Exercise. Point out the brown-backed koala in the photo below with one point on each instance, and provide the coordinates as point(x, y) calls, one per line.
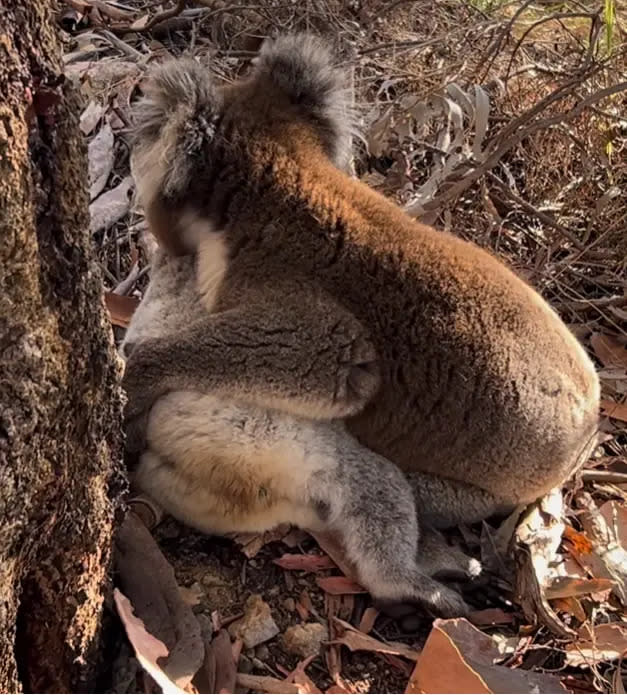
point(226, 466)
point(327, 301)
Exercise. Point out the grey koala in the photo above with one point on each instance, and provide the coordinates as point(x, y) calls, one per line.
point(326, 301)
point(226, 465)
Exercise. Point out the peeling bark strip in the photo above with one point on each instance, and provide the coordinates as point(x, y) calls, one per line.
point(60, 402)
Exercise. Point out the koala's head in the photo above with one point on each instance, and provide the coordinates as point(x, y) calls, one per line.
point(184, 120)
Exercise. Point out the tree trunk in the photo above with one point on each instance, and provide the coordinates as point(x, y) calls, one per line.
point(60, 403)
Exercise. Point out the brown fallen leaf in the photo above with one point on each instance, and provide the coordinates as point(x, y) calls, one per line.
point(111, 206)
point(339, 586)
point(147, 578)
point(218, 672)
point(565, 587)
point(148, 649)
point(609, 350)
point(333, 547)
point(300, 678)
point(121, 308)
point(570, 605)
point(458, 658)
point(368, 620)
point(307, 563)
point(304, 605)
point(606, 642)
point(357, 641)
point(101, 156)
point(618, 411)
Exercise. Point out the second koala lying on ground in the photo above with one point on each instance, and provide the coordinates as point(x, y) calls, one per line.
point(223, 466)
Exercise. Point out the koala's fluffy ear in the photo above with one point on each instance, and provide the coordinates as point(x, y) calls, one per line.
point(303, 68)
point(172, 124)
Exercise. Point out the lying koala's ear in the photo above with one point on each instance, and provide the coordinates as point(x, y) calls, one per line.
point(303, 67)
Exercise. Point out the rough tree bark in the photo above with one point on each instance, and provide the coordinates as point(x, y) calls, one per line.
point(59, 395)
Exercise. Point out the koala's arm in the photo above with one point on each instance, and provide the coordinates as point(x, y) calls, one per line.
point(304, 354)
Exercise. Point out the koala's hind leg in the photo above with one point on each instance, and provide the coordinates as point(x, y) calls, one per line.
point(223, 467)
point(369, 505)
point(442, 502)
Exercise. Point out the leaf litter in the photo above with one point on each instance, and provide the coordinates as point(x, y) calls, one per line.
point(555, 597)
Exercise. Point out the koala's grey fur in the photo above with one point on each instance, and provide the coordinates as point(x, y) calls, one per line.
point(224, 466)
point(328, 302)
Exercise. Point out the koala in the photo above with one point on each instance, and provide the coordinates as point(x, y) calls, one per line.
point(225, 465)
point(325, 301)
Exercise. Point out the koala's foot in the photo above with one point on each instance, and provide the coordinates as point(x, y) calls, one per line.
point(440, 560)
point(358, 377)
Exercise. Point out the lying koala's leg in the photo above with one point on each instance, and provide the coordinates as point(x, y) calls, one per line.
point(442, 502)
point(221, 467)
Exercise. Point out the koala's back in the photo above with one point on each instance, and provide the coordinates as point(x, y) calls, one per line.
point(481, 381)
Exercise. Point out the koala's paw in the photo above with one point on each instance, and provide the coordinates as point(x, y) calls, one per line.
point(358, 376)
point(142, 382)
point(441, 602)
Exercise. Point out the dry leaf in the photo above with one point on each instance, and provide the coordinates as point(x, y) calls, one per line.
point(368, 619)
point(603, 536)
point(570, 605)
point(339, 586)
point(618, 411)
point(91, 116)
point(147, 578)
point(615, 515)
point(538, 538)
point(609, 350)
point(218, 673)
point(307, 563)
point(605, 643)
point(358, 641)
point(565, 587)
point(458, 658)
point(101, 158)
point(147, 647)
point(120, 308)
point(111, 206)
point(300, 678)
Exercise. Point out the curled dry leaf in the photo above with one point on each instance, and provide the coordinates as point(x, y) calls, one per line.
point(606, 642)
point(148, 580)
point(111, 206)
point(358, 641)
point(538, 538)
point(148, 648)
point(101, 158)
point(368, 619)
point(458, 658)
point(306, 562)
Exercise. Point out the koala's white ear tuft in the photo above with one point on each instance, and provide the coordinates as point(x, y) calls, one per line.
point(303, 67)
point(172, 123)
